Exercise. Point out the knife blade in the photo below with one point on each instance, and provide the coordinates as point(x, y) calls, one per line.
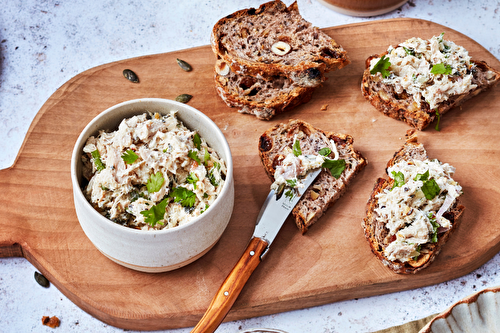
point(272, 215)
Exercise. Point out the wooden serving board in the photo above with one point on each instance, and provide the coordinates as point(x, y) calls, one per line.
point(330, 263)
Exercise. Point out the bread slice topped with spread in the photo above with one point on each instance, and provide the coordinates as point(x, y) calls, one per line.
point(274, 40)
point(411, 215)
point(262, 98)
point(420, 80)
point(289, 150)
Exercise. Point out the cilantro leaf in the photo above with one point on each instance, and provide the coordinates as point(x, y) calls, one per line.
point(381, 67)
point(212, 179)
point(192, 179)
point(430, 189)
point(194, 155)
point(289, 194)
point(399, 179)
point(438, 115)
point(186, 197)
point(435, 227)
point(155, 213)
point(291, 182)
point(415, 258)
point(129, 156)
point(441, 69)
point(325, 151)
point(422, 177)
point(206, 157)
point(409, 51)
point(197, 141)
point(336, 167)
point(155, 182)
point(296, 148)
point(97, 160)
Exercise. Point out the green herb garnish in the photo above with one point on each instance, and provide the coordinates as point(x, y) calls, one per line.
point(422, 177)
point(192, 179)
point(435, 226)
point(418, 250)
point(155, 213)
point(97, 160)
point(206, 157)
point(381, 67)
point(409, 51)
point(129, 156)
point(336, 167)
point(194, 155)
point(296, 148)
point(197, 141)
point(430, 189)
point(155, 182)
point(441, 69)
point(291, 182)
point(211, 178)
point(325, 151)
point(438, 115)
point(186, 197)
point(399, 179)
point(289, 194)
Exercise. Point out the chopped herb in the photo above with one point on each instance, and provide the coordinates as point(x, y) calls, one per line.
point(435, 227)
point(438, 116)
point(296, 148)
point(441, 69)
point(289, 194)
point(325, 151)
point(134, 195)
point(129, 156)
point(422, 177)
point(186, 197)
point(291, 182)
point(418, 250)
point(197, 141)
point(430, 189)
point(194, 155)
point(206, 157)
point(192, 179)
point(217, 165)
point(155, 182)
point(203, 210)
point(381, 67)
point(97, 160)
point(212, 179)
point(155, 213)
point(399, 179)
point(409, 51)
point(336, 167)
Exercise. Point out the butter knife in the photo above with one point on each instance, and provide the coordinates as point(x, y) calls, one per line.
point(269, 221)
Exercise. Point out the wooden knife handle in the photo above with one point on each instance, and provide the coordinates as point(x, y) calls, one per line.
point(231, 287)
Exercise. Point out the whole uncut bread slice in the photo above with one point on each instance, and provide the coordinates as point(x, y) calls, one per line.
point(262, 98)
point(326, 189)
point(403, 107)
point(245, 38)
point(377, 234)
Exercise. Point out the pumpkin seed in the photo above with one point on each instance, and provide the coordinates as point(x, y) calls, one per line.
point(130, 75)
point(42, 280)
point(184, 65)
point(184, 98)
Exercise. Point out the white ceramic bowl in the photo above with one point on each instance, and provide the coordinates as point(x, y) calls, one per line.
point(160, 250)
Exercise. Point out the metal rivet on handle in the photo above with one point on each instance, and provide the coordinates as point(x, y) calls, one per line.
point(226, 293)
point(252, 253)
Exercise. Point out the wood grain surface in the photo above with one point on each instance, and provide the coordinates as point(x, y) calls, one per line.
point(330, 263)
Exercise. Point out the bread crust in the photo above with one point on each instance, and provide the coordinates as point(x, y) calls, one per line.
point(403, 107)
point(373, 229)
point(306, 72)
point(328, 189)
point(263, 108)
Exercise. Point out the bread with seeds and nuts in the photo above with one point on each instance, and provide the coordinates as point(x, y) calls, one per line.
point(274, 40)
point(420, 80)
point(405, 241)
point(274, 145)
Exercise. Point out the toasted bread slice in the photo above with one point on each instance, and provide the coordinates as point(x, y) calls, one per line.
point(406, 102)
point(326, 189)
point(377, 232)
point(245, 40)
point(262, 98)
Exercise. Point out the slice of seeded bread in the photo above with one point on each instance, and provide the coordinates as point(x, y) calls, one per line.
point(262, 98)
point(245, 39)
point(326, 189)
point(377, 234)
point(403, 107)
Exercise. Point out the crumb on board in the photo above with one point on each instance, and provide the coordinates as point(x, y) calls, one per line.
point(52, 322)
point(324, 107)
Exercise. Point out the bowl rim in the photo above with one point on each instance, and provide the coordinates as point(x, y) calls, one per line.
point(75, 157)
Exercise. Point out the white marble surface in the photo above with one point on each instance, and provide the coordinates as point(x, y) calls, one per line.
point(44, 43)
